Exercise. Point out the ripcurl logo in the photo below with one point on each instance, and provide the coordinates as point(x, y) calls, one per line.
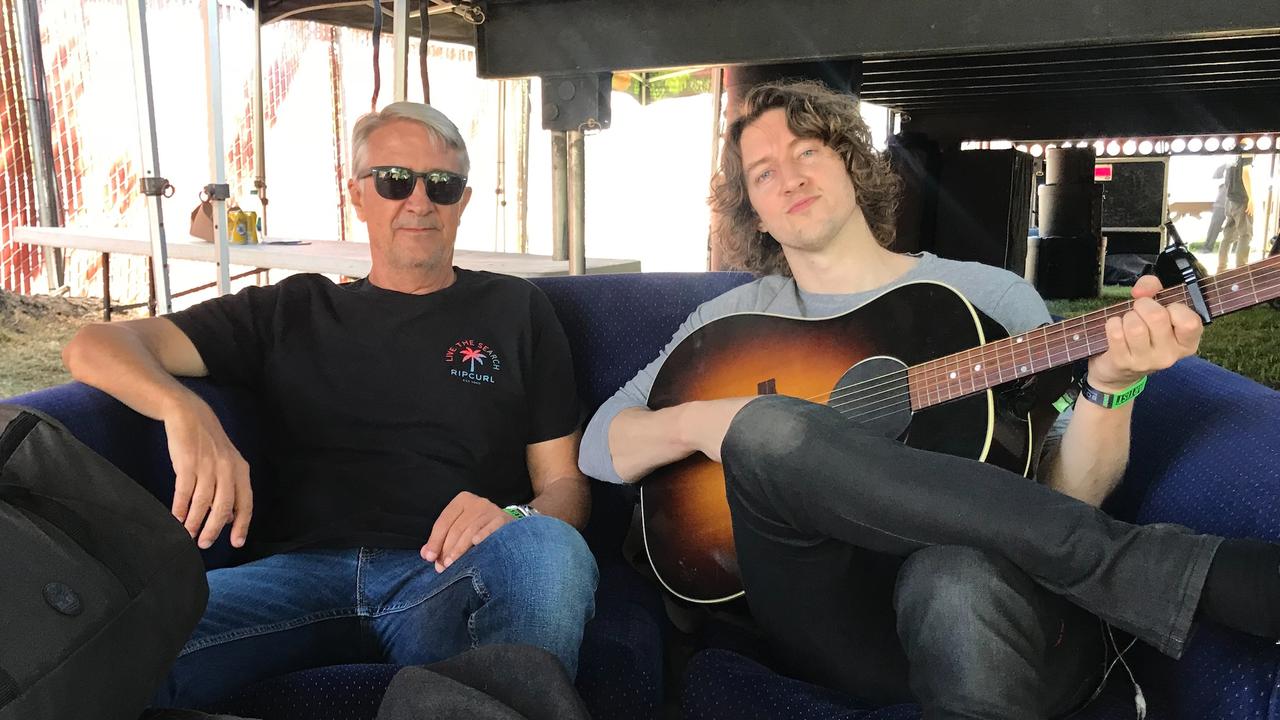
point(473, 361)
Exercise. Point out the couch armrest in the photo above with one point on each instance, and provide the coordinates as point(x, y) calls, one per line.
point(136, 444)
point(1205, 453)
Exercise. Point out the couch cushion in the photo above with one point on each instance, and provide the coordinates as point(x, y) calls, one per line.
point(617, 323)
point(1205, 453)
point(724, 684)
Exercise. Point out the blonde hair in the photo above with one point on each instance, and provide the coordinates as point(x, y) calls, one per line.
point(435, 121)
point(813, 111)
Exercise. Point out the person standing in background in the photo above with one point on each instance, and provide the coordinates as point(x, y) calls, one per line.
point(1238, 226)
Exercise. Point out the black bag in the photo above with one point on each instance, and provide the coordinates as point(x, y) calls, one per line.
point(100, 586)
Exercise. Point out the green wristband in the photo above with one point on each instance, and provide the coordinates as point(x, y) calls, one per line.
point(514, 512)
point(1111, 400)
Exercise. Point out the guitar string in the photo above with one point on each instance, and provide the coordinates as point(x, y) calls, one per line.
point(995, 354)
point(886, 406)
point(1050, 334)
point(953, 362)
point(1174, 295)
point(1006, 348)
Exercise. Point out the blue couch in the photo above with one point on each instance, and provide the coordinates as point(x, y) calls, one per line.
point(1202, 453)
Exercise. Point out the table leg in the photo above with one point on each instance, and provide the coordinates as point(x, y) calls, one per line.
point(151, 289)
point(106, 287)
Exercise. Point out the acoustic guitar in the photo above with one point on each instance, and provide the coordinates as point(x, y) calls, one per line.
point(917, 362)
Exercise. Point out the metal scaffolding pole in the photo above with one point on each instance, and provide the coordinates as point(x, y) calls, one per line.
point(577, 202)
point(522, 169)
point(259, 139)
point(559, 196)
point(218, 191)
point(717, 115)
point(400, 48)
point(500, 186)
point(152, 184)
point(47, 213)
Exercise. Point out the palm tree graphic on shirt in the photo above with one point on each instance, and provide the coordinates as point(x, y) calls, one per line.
point(472, 355)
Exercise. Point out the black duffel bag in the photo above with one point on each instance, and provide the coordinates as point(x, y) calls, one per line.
point(99, 585)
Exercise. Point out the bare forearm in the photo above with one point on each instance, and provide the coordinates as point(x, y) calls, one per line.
point(1093, 454)
point(567, 498)
point(642, 440)
point(118, 362)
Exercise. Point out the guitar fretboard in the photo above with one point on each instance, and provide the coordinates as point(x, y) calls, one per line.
point(964, 373)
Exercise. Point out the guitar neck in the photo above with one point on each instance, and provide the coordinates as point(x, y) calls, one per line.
point(964, 373)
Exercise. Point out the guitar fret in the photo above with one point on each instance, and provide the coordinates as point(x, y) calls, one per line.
point(968, 370)
point(975, 369)
point(1021, 356)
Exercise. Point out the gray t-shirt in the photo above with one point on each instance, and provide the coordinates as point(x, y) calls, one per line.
point(1003, 296)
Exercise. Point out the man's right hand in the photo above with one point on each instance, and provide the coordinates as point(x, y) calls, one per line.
point(642, 440)
point(135, 362)
point(704, 423)
point(212, 486)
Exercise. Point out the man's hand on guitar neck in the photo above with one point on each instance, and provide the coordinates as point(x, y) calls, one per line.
point(642, 440)
point(1148, 338)
point(1095, 448)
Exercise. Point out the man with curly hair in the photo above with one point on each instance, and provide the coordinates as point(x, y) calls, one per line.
point(893, 573)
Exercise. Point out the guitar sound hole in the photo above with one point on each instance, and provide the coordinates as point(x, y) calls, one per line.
point(874, 393)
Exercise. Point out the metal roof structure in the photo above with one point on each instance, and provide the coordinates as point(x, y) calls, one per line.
point(983, 68)
point(1016, 69)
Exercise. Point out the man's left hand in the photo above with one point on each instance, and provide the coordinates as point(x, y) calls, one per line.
point(1148, 338)
point(466, 521)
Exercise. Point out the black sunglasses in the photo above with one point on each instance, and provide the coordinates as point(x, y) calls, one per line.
point(397, 183)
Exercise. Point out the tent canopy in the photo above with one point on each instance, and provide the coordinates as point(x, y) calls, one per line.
point(983, 68)
point(446, 26)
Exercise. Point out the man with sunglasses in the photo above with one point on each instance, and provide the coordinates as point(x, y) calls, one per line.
point(419, 493)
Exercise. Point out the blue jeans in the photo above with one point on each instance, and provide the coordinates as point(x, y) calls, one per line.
point(531, 582)
point(894, 573)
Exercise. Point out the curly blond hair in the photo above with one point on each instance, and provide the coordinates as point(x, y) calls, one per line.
point(813, 111)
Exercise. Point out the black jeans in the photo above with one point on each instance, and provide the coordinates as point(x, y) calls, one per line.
point(989, 579)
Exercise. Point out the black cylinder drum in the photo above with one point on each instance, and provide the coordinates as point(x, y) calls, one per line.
point(1068, 166)
point(1072, 209)
point(1066, 267)
point(1066, 260)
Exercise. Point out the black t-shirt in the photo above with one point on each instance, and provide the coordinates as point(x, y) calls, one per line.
point(381, 406)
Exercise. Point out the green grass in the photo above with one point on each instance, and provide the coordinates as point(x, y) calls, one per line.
point(1246, 342)
point(33, 330)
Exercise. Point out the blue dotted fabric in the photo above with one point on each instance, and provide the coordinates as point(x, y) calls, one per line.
point(338, 692)
point(616, 324)
point(724, 684)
